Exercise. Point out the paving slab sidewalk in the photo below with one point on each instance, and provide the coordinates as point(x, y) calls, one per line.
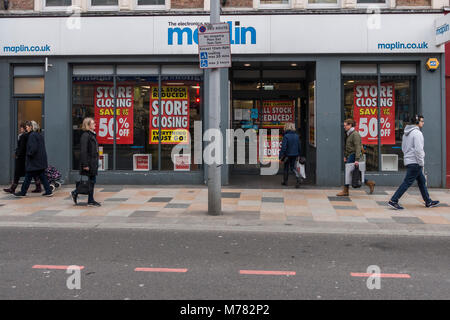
point(312, 210)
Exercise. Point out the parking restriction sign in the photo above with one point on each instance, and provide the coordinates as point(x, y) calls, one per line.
point(214, 48)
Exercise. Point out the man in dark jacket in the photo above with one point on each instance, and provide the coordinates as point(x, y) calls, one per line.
point(290, 151)
point(35, 163)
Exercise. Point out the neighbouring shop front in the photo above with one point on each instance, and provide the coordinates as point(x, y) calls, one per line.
point(335, 68)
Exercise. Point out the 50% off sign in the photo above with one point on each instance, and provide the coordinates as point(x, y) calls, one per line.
point(106, 129)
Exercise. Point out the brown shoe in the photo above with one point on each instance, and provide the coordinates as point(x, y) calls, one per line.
point(11, 189)
point(371, 185)
point(344, 192)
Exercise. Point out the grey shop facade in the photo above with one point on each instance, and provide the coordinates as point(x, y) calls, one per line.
point(320, 84)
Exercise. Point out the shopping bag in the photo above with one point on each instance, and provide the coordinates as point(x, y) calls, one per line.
point(84, 186)
point(349, 169)
point(356, 177)
point(300, 170)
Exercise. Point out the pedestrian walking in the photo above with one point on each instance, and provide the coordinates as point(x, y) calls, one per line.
point(19, 158)
point(353, 153)
point(414, 160)
point(290, 152)
point(35, 161)
point(88, 159)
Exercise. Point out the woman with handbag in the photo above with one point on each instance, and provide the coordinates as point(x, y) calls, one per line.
point(88, 159)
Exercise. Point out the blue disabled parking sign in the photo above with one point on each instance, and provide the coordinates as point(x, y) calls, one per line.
point(204, 63)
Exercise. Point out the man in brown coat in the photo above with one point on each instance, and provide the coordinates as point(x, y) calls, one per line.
point(353, 153)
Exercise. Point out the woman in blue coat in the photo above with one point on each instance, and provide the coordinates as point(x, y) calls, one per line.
point(290, 151)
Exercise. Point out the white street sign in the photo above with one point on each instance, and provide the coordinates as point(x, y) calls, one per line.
point(214, 48)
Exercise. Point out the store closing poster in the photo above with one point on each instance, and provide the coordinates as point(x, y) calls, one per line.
point(104, 114)
point(174, 115)
point(365, 112)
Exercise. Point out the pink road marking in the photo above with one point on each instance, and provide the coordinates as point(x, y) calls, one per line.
point(262, 272)
point(39, 266)
point(382, 275)
point(160, 270)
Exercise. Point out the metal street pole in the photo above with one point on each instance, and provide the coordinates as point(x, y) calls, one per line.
point(214, 174)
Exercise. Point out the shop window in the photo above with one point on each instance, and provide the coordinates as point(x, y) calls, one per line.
point(139, 109)
point(88, 93)
point(352, 100)
point(405, 109)
point(242, 119)
point(180, 107)
point(132, 140)
point(397, 99)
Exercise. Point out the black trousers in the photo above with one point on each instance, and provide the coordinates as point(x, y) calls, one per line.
point(289, 166)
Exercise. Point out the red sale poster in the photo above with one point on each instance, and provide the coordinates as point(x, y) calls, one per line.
point(104, 114)
point(276, 113)
point(182, 162)
point(365, 112)
point(142, 162)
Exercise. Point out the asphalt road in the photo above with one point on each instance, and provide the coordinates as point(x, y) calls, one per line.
point(215, 265)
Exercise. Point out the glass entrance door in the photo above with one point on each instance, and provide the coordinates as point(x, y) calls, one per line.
point(29, 109)
point(271, 112)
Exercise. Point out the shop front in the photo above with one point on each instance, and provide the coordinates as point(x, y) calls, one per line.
point(315, 71)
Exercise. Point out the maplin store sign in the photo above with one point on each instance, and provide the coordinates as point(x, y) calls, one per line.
point(250, 34)
point(442, 29)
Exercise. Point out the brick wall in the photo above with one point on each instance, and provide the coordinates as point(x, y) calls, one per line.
point(20, 4)
point(187, 4)
point(411, 3)
point(239, 4)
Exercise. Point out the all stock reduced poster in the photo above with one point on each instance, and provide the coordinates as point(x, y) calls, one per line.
point(174, 115)
point(276, 113)
point(271, 148)
point(365, 112)
point(104, 114)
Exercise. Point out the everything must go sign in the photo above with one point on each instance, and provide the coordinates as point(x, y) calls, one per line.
point(174, 115)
